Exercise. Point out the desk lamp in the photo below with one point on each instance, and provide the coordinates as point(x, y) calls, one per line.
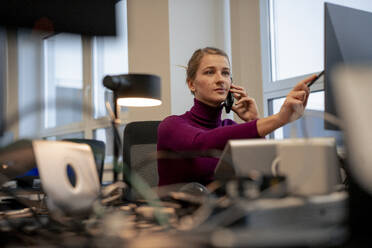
point(131, 90)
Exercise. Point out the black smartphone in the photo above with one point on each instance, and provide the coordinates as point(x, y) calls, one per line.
point(314, 80)
point(229, 101)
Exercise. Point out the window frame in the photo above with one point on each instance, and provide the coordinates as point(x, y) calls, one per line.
point(88, 124)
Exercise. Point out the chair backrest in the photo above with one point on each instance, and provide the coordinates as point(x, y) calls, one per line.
point(99, 150)
point(139, 149)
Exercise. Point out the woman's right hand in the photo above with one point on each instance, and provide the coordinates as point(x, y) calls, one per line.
point(295, 102)
point(292, 109)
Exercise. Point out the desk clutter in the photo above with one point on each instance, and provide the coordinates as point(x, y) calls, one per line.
point(181, 219)
point(252, 209)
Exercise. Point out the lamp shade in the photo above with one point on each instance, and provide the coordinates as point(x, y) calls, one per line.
point(135, 89)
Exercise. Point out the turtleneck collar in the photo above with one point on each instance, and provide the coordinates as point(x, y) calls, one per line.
point(205, 114)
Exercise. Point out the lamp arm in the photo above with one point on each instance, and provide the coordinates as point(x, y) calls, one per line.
point(117, 144)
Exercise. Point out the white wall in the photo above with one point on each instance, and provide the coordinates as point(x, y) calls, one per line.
point(194, 24)
point(246, 48)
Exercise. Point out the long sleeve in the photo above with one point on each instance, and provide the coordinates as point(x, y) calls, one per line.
point(175, 133)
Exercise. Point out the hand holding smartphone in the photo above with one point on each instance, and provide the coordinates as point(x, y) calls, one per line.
point(229, 101)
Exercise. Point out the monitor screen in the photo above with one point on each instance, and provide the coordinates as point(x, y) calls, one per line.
point(348, 40)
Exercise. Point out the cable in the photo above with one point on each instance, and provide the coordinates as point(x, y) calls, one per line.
point(18, 199)
point(107, 195)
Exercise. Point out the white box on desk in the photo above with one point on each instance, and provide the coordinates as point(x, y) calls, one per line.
point(310, 165)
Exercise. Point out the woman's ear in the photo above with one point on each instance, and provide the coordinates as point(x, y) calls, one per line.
point(191, 86)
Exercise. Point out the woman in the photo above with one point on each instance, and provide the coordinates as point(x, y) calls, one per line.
point(201, 128)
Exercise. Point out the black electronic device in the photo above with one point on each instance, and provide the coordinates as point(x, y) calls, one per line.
point(347, 40)
point(229, 101)
point(89, 17)
point(16, 159)
point(315, 79)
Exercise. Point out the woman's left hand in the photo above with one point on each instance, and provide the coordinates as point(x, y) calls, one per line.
point(245, 107)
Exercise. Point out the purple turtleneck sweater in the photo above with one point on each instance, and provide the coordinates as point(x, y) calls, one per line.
point(199, 129)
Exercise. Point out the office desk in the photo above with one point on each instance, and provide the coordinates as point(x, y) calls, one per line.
point(218, 222)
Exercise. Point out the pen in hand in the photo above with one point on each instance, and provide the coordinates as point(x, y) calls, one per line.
point(314, 80)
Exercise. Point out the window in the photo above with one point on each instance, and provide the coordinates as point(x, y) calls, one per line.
point(63, 79)
point(296, 35)
point(60, 91)
point(292, 49)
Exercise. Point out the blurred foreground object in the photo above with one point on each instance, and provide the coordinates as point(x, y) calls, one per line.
point(53, 160)
point(353, 89)
point(89, 17)
point(67, 171)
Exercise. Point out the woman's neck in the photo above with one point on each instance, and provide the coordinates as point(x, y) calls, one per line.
point(210, 104)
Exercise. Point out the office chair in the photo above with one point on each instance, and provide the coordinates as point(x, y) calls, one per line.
point(139, 150)
point(98, 148)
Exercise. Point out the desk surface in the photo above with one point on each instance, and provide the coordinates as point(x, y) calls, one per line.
point(178, 222)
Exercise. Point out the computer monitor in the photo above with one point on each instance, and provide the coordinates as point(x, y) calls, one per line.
point(348, 40)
